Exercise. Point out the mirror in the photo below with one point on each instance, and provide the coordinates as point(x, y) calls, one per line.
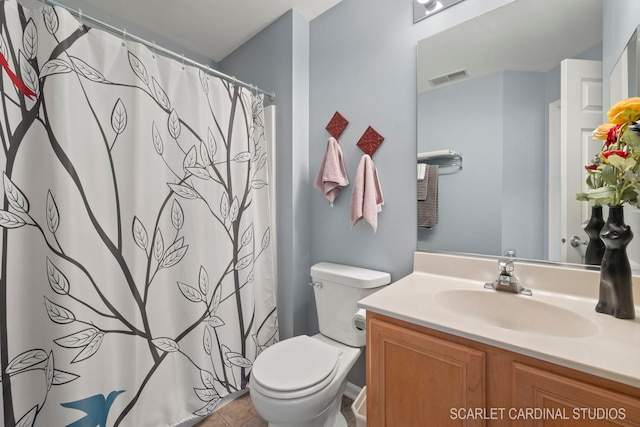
point(485, 91)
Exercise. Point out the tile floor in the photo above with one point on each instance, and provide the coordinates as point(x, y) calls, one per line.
point(241, 413)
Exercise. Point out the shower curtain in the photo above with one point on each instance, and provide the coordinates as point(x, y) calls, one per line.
point(136, 281)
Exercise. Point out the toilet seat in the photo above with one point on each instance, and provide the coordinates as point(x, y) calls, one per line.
point(295, 367)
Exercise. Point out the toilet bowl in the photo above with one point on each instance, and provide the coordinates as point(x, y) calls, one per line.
point(306, 388)
point(299, 382)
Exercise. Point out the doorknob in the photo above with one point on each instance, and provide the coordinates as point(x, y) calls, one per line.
point(577, 241)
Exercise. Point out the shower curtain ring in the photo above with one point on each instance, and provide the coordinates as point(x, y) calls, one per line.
point(124, 37)
point(80, 17)
point(182, 61)
point(153, 49)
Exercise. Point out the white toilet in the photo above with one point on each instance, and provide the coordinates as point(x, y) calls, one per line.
point(299, 382)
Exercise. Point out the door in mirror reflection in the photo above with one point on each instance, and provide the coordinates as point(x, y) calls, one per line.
point(580, 110)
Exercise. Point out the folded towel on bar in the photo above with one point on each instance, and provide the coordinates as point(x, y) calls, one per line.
point(332, 175)
point(366, 199)
point(428, 198)
point(422, 189)
point(434, 154)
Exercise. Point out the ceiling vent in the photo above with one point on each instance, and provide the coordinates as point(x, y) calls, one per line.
point(447, 78)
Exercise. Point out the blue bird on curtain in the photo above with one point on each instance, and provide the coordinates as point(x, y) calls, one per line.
point(96, 407)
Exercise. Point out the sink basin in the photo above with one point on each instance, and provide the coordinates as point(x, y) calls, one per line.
point(516, 312)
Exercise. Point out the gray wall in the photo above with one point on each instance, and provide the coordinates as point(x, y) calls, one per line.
point(363, 64)
point(524, 193)
point(472, 196)
point(497, 202)
point(364, 67)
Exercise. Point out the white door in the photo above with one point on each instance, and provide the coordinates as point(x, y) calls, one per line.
point(581, 112)
point(555, 246)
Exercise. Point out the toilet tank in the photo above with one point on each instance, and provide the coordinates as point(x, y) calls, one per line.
point(337, 290)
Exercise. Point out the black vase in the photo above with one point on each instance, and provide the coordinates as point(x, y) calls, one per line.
point(616, 293)
point(595, 248)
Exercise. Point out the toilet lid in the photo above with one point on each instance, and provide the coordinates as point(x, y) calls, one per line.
point(296, 363)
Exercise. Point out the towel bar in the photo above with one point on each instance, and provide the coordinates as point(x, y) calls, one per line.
point(444, 158)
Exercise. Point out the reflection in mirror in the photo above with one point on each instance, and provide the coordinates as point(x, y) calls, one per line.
point(489, 88)
point(632, 53)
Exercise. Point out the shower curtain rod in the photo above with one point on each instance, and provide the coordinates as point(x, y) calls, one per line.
point(123, 33)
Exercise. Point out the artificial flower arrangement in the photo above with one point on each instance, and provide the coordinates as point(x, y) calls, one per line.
point(613, 176)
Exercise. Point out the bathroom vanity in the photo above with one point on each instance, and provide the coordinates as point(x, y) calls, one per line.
point(442, 350)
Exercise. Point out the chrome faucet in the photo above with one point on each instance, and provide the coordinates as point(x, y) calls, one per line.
point(507, 281)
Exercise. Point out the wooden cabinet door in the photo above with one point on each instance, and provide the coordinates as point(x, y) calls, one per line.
point(415, 380)
point(555, 400)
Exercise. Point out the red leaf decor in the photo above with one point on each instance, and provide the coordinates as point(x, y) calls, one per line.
point(337, 125)
point(370, 141)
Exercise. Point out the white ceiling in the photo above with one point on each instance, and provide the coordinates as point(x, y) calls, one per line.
point(525, 35)
point(211, 28)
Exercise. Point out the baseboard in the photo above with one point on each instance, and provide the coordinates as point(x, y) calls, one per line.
point(352, 391)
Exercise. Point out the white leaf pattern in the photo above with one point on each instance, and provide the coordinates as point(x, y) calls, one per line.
point(157, 139)
point(158, 247)
point(177, 216)
point(190, 293)
point(10, 220)
point(48, 371)
point(30, 40)
point(29, 75)
point(203, 280)
point(51, 20)
point(119, 117)
point(234, 210)
point(16, 198)
point(184, 191)
point(224, 205)
point(166, 344)
point(78, 339)
point(55, 66)
point(140, 235)
point(160, 95)
point(26, 360)
point(53, 218)
point(190, 159)
point(87, 71)
point(206, 341)
point(138, 68)
point(90, 349)
point(57, 280)
point(58, 314)
point(62, 377)
point(173, 124)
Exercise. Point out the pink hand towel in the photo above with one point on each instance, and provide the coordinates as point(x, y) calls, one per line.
point(366, 199)
point(332, 175)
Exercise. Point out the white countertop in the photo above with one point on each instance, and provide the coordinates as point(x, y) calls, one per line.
point(610, 348)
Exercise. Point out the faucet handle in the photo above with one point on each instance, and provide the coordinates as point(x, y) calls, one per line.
point(506, 266)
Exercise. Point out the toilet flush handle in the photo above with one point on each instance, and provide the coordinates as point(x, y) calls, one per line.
point(316, 284)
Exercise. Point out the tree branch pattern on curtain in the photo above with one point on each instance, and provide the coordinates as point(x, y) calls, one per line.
point(136, 284)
